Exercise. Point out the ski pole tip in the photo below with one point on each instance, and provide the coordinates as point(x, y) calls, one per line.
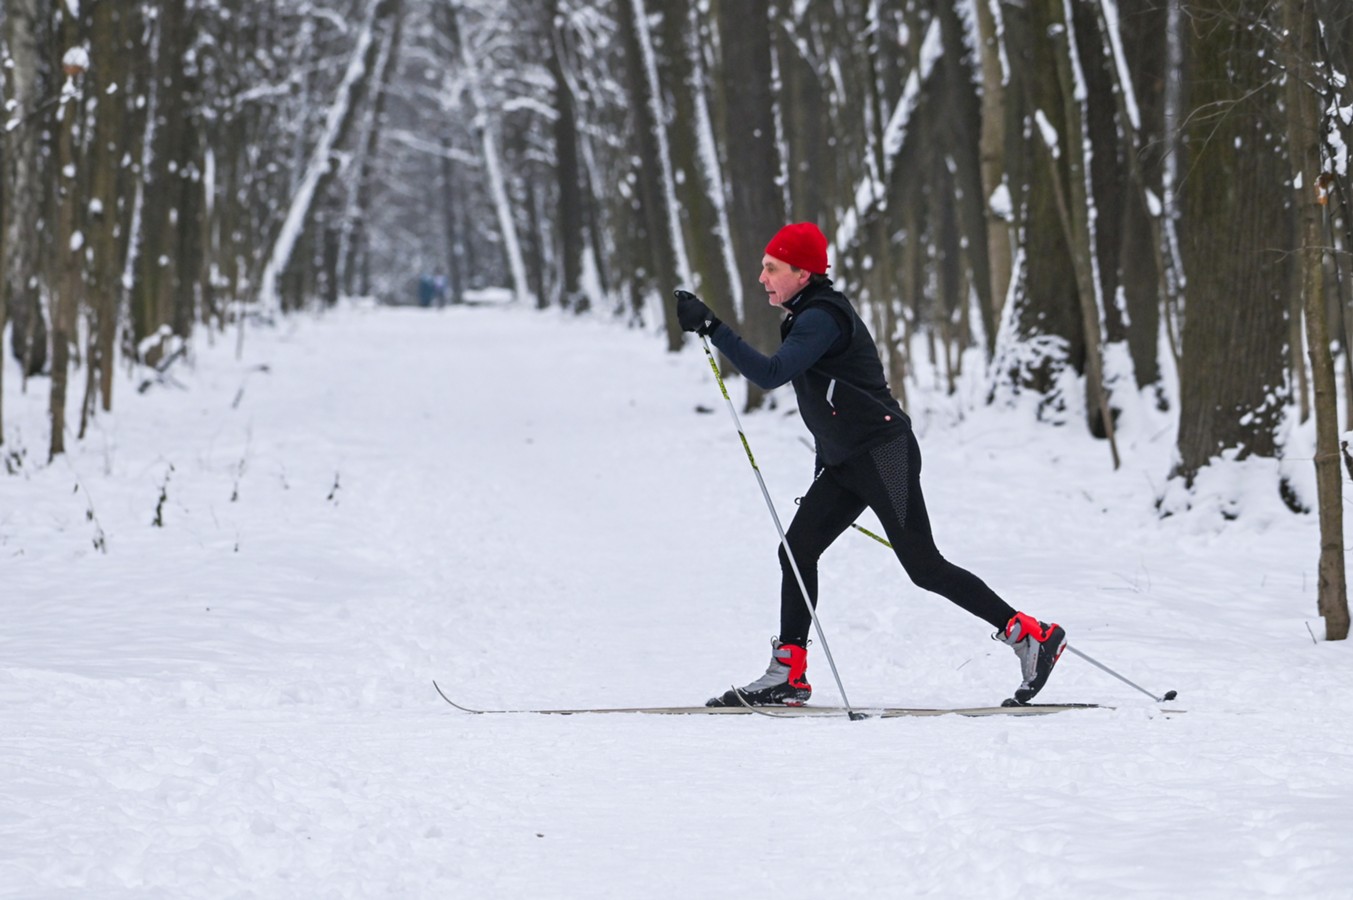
point(1170, 695)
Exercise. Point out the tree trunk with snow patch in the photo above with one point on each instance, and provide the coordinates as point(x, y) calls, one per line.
point(1304, 129)
point(67, 261)
point(1079, 216)
point(110, 55)
point(1237, 238)
point(323, 164)
point(993, 150)
point(655, 179)
point(756, 205)
point(28, 86)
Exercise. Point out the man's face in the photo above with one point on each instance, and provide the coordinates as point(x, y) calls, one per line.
point(781, 280)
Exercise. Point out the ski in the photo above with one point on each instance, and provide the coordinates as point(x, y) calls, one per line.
point(788, 712)
point(1007, 707)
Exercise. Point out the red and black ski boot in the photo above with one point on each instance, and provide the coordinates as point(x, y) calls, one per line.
point(1038, 646)
point(784, 683)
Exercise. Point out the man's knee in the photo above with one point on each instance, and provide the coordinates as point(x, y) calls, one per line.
point(929, 574)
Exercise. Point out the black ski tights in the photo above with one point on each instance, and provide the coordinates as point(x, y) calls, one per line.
point(887, 479)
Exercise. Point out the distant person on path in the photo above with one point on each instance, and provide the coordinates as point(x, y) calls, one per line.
point(867, 455)
point(439, 288)
point(427, 290)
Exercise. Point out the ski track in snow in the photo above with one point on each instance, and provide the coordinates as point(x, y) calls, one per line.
point(529, 509)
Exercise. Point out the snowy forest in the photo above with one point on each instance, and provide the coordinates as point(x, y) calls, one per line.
point(1107, 204)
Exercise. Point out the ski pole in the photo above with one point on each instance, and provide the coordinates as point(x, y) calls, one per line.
point(784, 542)
point(1168, 695)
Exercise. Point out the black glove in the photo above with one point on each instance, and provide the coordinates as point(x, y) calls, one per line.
point(694, 315)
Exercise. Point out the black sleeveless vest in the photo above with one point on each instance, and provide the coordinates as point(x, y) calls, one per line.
point(844, 398)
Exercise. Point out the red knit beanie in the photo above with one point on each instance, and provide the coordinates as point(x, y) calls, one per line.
point(801, 245)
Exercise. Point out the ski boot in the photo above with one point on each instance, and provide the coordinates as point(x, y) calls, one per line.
point(783, 684)
point(1038, 646)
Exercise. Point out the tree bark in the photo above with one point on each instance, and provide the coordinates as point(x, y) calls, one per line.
point(156, 286)
point(696, 165)
point(322, 165)
point(1237, 234)
point(967, 218)
point(1143, 268)
point(756, 207)
point(993, 149)
point(27, 229)
point(355, 247)
point(1304, 127)
point(68, 255)
point(110, 52)
point(451, 224)
point(1079, 221)
point(656, 182)
point(1041, 335)
point(570, 216)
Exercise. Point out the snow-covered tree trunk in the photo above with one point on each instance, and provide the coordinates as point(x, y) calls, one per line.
point(806, 99)
point(160, 305)
point(964, 228)
point(322, 163)
point(666, 251)
point(581, 74)
point(1304, 129)
point(1144, 273)
point(756, 205)
point(1237, 232)
point(353, 270)
point(110, 57)
point(1080, 224)
point(571, 216)
point(1000, 224)
point(68, 254)
point(697, 170)
point(26, 226)
point(486, 128)
point(453, 218)
point(1040, 335)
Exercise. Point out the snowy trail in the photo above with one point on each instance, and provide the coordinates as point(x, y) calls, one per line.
point(528, 509)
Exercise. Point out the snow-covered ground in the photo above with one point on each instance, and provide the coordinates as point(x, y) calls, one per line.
point(529, 509)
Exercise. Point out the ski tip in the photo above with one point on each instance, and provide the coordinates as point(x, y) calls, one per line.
point(452, 702)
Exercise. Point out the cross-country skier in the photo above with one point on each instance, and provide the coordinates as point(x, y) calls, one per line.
point(867, 455)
